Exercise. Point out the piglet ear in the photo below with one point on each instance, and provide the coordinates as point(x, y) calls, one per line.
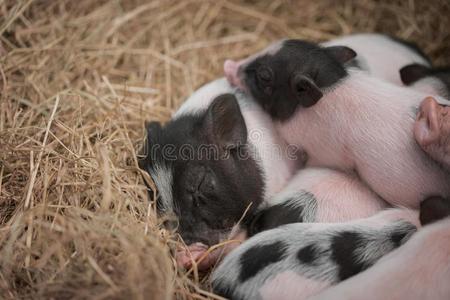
point(426, 128)
point(306, 91)
point(411, 73)
point(224, 122)
point(152, 126)
point(341, 53)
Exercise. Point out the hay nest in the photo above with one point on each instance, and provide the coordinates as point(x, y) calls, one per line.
point(78, 79)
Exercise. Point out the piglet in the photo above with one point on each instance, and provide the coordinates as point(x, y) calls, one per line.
point(299, 260)
point(432, 130)
point(420, 269)
point(214, 163)
point(346, 119)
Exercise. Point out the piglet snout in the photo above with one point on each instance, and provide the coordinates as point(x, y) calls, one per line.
point(231, 70)
point(426, 128)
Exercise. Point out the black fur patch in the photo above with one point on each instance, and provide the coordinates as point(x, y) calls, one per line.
point(308, 255)
point(277, 92)
point(343, 247)
point(399, 234)
point(259, 257)
point(434, 209)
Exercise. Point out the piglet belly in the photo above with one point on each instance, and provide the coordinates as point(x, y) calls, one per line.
point(289, 285)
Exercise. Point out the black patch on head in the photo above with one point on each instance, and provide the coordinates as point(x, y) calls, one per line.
point(412, 46)
point(434, 209)
point(215, 176)
point(343, 247)
point(308, 255)
point(294, 76)
point(260, 256)
point(401, 234)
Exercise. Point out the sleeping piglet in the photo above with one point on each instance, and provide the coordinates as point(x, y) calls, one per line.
point(345, 119)
point(420, 269)
point(432, 130)
point(299, 260)
point(217, 157)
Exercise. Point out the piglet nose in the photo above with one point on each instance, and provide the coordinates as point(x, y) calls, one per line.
point(230, 69)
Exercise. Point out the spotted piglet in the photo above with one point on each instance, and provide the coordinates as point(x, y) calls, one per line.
point(420, 269)
point(299, 260)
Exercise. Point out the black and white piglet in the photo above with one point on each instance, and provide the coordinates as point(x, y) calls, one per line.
point(299, 260)
point(345, 119)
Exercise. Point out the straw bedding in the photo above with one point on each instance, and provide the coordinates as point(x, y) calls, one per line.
point(78, 79)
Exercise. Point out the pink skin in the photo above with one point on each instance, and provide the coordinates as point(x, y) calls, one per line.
point(231, 69)
point(355, 126)
point(420, 269)
point(432, 130)
point(198, 253)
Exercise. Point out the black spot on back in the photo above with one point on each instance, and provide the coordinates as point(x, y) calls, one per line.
point(434, 209)
point(259, 257)
point(309, 254)
point(343, 247)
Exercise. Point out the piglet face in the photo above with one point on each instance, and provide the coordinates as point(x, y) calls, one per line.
point(289, 74)
point(204, 170)
point(432, 130)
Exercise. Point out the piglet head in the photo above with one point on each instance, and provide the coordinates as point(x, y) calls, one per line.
point(204, 170)
point(432, 130)
point(289, 74)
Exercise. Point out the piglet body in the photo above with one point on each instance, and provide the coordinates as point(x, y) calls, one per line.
point(318, 195)
point(365, 124)
point(297, 261)
point(420, 269)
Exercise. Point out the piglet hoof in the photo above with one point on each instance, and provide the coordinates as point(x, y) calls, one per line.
point(434, 209)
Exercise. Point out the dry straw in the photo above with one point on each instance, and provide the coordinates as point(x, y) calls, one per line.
point(78, 79)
